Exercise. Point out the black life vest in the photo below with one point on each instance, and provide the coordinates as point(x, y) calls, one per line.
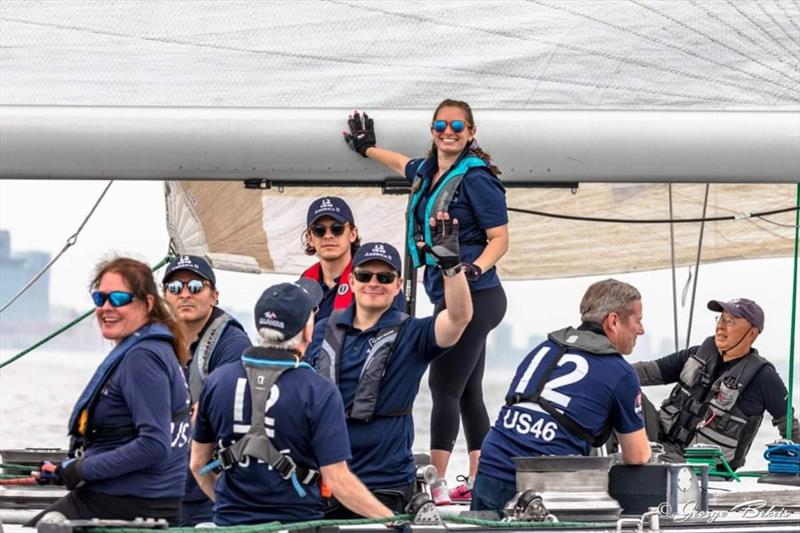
point(263, 367)
point(699, 411)
point(368, 389)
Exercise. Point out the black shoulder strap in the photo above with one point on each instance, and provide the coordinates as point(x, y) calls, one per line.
point(331, 349)
point(374, 369)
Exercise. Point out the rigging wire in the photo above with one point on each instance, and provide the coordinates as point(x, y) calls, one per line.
point(672, 260)
point(697, 268)
point(778, 223)
point(70, 242)
point(70, 324)
point(669, 220)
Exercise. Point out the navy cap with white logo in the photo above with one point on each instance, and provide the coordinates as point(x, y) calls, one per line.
point(285, 307)
point(192, 263)
point(741, 308)
point(378, 251)
point(329, 206)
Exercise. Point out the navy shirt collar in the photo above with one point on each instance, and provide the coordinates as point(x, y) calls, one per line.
point(390, 317)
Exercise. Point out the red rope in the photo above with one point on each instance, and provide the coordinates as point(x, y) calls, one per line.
point(19, 481)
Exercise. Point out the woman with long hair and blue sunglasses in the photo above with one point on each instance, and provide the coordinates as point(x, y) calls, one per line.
point(460, 178)
point(129, 430)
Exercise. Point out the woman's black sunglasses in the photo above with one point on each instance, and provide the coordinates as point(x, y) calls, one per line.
point(319, 230)
point(384, 278)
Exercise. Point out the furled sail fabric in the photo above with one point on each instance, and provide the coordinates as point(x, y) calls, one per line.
point(262, 233)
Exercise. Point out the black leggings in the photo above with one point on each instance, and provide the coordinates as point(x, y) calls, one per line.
point(82, 503)
point(456, 377)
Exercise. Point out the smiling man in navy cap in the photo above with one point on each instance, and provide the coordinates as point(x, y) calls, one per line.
point(723, 387)
point(270, 428)
point(377, 356)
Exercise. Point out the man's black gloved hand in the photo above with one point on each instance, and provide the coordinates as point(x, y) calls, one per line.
point(444, 235)
point(361, 135)
point(67, 473)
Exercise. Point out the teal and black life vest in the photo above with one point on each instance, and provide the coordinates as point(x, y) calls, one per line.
point(699, 411)
point(439, 201)
point(368, 390)
point(264, 366)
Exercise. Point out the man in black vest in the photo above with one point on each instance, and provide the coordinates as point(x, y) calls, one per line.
point(723, 388)
point(377, 356)
point(216, 339)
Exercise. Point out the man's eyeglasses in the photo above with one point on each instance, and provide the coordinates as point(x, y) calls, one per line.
point(456, 125)
point(194, 286)
point(365, 276)
point(115, 298)
point(725, 321)
point(319, 230)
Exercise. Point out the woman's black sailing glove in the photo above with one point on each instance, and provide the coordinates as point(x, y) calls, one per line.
point(444, 235)
point(362, 133)
point(67, 473)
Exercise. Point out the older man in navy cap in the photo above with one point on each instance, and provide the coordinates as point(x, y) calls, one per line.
point(723, 387)
point(216, 338)
point(377, 356)
point(270, 428)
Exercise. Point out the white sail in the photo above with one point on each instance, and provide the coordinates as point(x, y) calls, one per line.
point(570, 92)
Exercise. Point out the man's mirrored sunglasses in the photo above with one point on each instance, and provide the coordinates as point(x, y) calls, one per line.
point(194, 286)
point(115, 298)
point(365, 276)
point(319, 230)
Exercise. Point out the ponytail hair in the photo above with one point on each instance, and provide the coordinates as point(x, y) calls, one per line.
point(473, 147)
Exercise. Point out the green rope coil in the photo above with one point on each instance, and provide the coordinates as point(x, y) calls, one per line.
point(67, 326)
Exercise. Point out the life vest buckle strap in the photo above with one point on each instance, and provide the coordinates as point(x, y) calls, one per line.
point(285, 466)
point(225, 458)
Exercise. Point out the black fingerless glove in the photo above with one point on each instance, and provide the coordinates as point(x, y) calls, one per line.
point(361, 135)
point(445, 246)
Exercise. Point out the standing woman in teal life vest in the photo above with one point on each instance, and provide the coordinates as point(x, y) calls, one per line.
point(129, 429)
point(460, 178)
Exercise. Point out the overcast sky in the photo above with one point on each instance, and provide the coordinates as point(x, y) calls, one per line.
point(41, 215)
